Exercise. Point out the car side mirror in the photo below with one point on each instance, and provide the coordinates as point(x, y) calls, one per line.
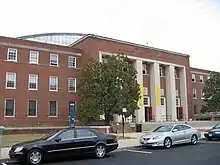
point(58, 139)
point(174, 130)
point(213, 127)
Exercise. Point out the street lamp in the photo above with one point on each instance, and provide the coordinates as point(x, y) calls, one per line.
point(124, 110)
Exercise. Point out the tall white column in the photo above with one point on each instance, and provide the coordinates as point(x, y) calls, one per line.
point(183, 92)
point(140, 112)
point(155, 90)
point(171, 93)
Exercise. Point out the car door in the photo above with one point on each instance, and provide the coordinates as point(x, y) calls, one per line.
point(63, 144)
point(187, 133)
point(86, 140)
point(178, 135)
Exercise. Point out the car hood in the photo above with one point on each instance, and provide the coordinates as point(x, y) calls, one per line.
point(31, 142)
point(213, 130)
point(153, 134)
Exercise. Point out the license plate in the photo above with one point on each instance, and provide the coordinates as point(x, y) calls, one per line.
point(145, 142)
point(210, 134)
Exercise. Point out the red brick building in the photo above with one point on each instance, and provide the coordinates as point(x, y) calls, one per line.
point(39, 80)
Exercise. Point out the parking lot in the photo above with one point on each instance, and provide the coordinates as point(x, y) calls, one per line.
point(204, 153)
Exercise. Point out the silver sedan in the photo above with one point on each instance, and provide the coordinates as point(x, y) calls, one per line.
point(168, 135)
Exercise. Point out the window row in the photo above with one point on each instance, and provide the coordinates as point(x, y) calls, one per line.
point(194, 92)
point(33, 82)
point(9, 108)
point(34, 58)
point(162, 101)
point(201, 78)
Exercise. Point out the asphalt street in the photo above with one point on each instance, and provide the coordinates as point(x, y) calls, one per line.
point(204, 153)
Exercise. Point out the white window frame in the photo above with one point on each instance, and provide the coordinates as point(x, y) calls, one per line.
point(177, 93)
point(164, 99)
point(208, 77)
point(69, 79)
point(16, 52)
point(29, 106)
point(161, 71)
point(194, 93)
point(193, 77)
point(202, 94)
point(57, 58)
point(177, 102)
point(145, 91)
point(201, 78)
point(70, 58)
point(144, 69)
point(5, 107)
point(56, 108)
point(146, 97)
point(31, 89)
point(31, 61)
point(6, 80)
point(162, 92)
point(57, 82)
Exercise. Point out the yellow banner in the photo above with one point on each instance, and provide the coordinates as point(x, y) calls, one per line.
point(141, 99)
point(158, 94)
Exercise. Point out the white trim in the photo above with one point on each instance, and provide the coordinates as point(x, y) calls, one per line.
point(139, 58)
point(178, 102)
point(30, 89)
point(7, 80)
point(57, 57)
point(164, 99)
point(57, 83)
point(147, 97)
point(201, 77)
point(16, 58)
point(195, 72)
point(28, 108)
point(194, 91)
point(71, 78)
point(37, 57)
point(5, 107)
point(56, 109)
point(69, 61)
point(193, 77)
point(40, 49)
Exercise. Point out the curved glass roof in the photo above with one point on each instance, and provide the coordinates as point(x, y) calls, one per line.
point(54, 38)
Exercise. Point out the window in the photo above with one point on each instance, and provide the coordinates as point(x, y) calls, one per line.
point(162, 101)
point(208, 77)
point(177, 93)
point(72, 62)
point(176, 73)
point(9, 107)
point(178, 127)
point(54, 60)
point(161, 72)
point(32, 108)
point(83, 133)
point(53, 83)
point(201, 78)
point(193, 77)
point(194, 93)
point(145, 68)
point(146, 101)
point(185, 127)
point(33, 57)
point(145, 91)
point(10, 80)
point(202, 94)
point(72, 84)
point(67, 135)
point(162, 92)
point(53, 109)
point(33, 82)
point(195, 109)
point(12, 54)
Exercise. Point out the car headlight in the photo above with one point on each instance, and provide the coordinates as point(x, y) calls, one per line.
point(18, 149)
point(157, 137)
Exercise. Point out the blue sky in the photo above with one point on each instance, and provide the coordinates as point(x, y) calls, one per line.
point(186, 26)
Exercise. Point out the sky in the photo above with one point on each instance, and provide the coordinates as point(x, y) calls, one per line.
point(185, 26)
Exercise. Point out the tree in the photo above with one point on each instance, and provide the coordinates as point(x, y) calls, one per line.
point(212, 93)
point(106, 88)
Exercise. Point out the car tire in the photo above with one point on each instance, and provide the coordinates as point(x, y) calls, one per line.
point(167, 143)
point(194, 139)
point(100, 151)
point(34, 157)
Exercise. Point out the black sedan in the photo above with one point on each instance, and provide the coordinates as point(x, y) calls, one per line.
point(66, 142)
point(213, 133)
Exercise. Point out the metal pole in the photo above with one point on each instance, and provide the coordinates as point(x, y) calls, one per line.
point(123, 125)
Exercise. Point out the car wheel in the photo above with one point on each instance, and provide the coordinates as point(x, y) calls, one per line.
point(34, 157)
point(100, 151)
point(194, 139)
point(167, 143)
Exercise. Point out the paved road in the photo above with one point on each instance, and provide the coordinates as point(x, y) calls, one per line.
point(205, 153)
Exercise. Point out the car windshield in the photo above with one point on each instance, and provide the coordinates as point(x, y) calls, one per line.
point(49, 135)
point(164, 128)
point(217, 125)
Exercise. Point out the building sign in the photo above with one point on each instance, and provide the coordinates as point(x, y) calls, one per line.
point(158, 94)
point(141, 100)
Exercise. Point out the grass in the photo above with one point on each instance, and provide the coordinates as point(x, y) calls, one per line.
point(9, 140)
